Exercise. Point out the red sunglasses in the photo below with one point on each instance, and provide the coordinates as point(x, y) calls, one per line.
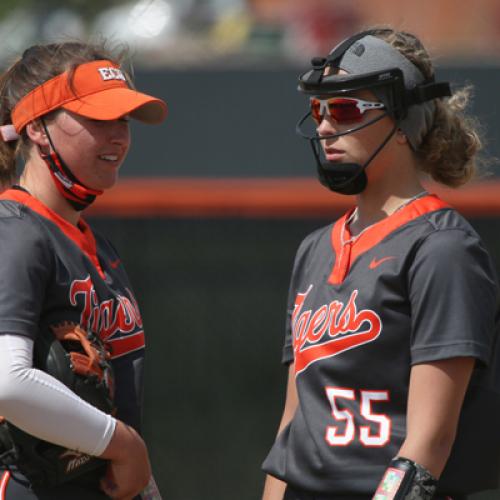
point(341, 109)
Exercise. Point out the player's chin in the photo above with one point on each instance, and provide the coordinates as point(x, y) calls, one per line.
point(340, 159)
point(106, 180)
point(110, 183)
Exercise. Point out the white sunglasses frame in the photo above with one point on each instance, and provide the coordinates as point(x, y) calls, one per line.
point(360, 104)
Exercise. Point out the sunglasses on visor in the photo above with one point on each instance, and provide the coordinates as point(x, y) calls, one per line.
point(341, 109)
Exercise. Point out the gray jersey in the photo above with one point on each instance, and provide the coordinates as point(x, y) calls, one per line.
point(53, 272)
point(414, 288)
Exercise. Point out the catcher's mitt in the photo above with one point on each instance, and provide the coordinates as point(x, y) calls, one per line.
point(80, 361)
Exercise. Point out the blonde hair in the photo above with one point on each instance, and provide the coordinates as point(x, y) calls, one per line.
point(38, 64)
point(448, 152)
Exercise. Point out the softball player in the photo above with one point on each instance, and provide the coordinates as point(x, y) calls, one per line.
point(65, 109)
point(390, 337)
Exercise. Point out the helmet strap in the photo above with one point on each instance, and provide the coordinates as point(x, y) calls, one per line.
point(71, 188)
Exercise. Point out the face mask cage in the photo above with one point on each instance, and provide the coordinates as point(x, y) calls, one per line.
point(390, 82)
point(389, 87)
point(349, 179)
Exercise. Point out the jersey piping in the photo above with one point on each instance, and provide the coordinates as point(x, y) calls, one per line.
point(347, 249)
point(81, 235)
point(3, 484)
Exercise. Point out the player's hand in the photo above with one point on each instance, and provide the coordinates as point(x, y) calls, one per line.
point(151, 492)
point(129, 470)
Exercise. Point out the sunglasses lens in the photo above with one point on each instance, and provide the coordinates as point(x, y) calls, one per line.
point(316, 110)
point(344, 110)
point(341, 109)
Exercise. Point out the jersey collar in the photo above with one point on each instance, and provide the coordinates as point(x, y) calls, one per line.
point(81, 235)
point(347, 249)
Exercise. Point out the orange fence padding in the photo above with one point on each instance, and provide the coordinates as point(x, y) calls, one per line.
point(260, 197)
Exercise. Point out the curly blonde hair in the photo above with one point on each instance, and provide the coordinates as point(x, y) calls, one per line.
point(448, 152)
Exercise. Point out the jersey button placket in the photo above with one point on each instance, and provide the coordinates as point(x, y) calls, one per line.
point(345, 260)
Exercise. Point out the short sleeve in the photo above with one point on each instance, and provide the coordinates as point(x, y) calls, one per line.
point(453, 297)
point(25, 265)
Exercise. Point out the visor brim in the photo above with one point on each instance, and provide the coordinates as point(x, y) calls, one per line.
point(111, 104)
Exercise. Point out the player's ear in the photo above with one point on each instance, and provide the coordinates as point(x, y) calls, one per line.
point(36, 133)
point(401, 137)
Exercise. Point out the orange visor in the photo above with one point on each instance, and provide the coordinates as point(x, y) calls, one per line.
point(98, 90)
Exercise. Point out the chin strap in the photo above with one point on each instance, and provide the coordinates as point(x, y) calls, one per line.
point(345, 178)
point(77, 194)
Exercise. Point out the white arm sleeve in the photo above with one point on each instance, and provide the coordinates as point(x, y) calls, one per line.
point(44, 407)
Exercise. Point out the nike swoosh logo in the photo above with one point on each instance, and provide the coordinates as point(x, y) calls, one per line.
point(114, 263)
point(376, 262)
